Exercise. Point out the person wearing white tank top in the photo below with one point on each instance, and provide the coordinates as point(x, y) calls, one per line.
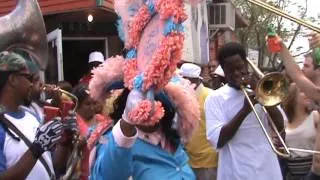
point(303, 136)
point(300, 132)
point(309, 85)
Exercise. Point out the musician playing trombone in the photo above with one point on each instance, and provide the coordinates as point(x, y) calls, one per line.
point(311, 87)
point(232, 128)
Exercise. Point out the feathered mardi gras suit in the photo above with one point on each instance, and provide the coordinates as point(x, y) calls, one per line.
point(153, 34)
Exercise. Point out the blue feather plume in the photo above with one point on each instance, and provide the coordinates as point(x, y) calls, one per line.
point(120, 29)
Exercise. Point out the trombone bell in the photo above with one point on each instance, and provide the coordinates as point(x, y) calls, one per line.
point(272, 89)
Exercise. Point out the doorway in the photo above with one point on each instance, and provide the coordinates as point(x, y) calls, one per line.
point(76, 54)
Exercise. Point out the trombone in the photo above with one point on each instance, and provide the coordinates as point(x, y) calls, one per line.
point(280, 96)
point(271, 89)
point(281, 13)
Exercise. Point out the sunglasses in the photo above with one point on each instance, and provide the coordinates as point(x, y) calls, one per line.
point(29, 77)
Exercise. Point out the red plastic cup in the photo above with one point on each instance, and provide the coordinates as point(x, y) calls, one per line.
point(66, 106)
point(50, 113)
point(274, 44)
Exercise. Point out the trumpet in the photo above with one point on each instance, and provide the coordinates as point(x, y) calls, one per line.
point(76, 152)
point(271, 90)
point(49, 87)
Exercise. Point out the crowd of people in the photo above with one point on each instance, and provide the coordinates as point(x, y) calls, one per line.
point(228, 143)
point(142, 118)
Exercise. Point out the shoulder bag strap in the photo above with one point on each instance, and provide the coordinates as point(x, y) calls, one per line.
point(28, 143)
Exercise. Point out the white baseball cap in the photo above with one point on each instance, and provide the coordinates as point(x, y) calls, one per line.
point(96, 57)
point(219, 71)
point(190, 70)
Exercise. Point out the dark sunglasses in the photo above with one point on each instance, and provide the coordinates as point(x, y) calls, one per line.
point(29, 77)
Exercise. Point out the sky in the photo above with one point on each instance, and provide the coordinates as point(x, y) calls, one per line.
point(312, 11)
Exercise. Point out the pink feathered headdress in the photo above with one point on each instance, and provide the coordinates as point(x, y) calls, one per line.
point(104, 75)
point(153, 34)
point(183, 97)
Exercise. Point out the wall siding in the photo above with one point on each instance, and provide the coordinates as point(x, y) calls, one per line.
point(58, 6)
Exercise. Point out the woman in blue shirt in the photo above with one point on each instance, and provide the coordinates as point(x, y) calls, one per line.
point(141, 152)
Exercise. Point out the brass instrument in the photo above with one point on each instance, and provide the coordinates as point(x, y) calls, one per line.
point(260, 90)
point(24, 29)
point(76, 153)
point(47, 87)
point(281, 13)
point(271, 89)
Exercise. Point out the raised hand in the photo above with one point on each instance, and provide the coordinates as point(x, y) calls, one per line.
point(133, 99)
point(314, 40)
point(274, 42)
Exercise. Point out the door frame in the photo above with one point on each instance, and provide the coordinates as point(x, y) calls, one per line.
point(55, 37)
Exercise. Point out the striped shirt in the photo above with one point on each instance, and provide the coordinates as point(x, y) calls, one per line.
point(298, 167)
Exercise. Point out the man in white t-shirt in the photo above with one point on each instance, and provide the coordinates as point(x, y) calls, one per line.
point(17, 159)
point(232, 128)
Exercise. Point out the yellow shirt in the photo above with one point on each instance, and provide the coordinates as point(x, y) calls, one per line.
point(201, 153)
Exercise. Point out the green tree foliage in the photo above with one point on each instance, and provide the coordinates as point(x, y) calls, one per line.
point(253, 36)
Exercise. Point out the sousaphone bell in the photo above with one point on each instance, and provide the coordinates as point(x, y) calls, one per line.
point(24, 29)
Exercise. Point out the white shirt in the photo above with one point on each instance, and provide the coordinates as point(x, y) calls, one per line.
point(247, 156)
point(13, 149)
point(37, 110)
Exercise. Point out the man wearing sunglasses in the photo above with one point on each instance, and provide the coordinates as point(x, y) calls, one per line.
point(24, 144)
point(33, 103)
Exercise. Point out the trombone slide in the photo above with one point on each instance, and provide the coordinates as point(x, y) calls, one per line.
point(287, 153)
point(281, 13)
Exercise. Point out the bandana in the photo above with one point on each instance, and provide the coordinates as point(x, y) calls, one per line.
point(316, 56)
point(271, 31)
point(11, 61)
